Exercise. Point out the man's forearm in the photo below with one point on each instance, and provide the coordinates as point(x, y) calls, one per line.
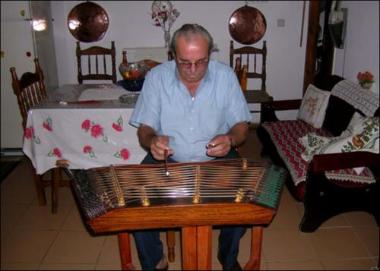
point(145, 134)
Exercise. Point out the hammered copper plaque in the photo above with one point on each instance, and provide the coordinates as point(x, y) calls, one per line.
point(88, 22)
point(247, 25)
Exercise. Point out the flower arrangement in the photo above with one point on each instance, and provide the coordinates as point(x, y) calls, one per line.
point(164, 15)
point(365, 79)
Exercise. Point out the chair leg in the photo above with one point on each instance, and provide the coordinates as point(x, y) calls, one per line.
point(170, 241)
point(54, 189)
point(40, 189)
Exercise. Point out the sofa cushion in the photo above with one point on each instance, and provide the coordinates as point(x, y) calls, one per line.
point(285, 136)
point(313, 106)
point(362, 134)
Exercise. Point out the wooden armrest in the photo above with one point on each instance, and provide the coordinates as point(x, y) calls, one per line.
point(331, 161)
point(269, 108)
point(282, 105)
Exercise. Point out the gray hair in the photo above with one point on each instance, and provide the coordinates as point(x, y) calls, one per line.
point(188, 30)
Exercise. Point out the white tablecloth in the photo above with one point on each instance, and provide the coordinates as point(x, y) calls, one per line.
point(88, 135)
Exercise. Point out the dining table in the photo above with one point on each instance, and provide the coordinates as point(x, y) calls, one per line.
point(85, 124)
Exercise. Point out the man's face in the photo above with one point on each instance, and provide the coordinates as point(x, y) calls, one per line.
point(192, 58)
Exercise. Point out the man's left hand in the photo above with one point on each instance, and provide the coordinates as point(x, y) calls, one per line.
point(219, 146)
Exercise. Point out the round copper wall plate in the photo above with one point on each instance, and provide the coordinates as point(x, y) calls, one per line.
point(247, 25)
point(88, 22)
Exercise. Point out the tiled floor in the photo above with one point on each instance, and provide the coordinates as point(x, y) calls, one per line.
point(33, 238)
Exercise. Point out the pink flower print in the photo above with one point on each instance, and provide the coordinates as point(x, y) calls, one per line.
point(123, 154)
point(118, 126)
point(55, 152)
point(86, 124)
point(28, 132)
point(96, 130)
point(47, 124)
point(88, 149)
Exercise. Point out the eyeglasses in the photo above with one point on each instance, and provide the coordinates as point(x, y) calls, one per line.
point(188, 65)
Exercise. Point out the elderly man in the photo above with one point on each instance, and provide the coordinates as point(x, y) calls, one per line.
point(191, 109)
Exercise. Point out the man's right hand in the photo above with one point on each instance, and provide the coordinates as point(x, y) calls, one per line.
point(154, 143)
point(158, 146)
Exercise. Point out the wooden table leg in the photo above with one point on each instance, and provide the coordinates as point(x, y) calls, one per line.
point(170, 242)
point(125, 251)
point(256, 241)
point(197, 248)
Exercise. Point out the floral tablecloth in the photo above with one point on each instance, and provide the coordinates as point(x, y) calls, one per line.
point(88, 135)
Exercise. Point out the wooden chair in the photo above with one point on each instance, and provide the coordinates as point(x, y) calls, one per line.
point(98, 59)
point(249, 57)
point(30, 91)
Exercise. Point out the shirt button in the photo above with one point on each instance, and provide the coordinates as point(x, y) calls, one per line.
point(193, 98)
point(191, 128)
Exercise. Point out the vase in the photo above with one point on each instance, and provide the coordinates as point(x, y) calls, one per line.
point(366, 85)
point(167, 38)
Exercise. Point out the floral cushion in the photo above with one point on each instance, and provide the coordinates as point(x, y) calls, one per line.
point(362, 134)
point(313, 106)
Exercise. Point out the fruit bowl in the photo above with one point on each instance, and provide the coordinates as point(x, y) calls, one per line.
point(133, 70)
point(132, 85)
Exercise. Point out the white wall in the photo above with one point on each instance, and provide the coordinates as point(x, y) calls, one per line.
point(16, 40)
point(361, 45)
point(131, 26)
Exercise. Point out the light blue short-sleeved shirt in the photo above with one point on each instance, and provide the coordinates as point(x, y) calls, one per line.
point(167, 106)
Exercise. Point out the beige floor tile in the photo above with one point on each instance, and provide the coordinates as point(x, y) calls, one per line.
point(18, 187)
point(299, 265)
point(370, 238)
point(350, 264)
point(110, 256)
point(337, 244)
point(360, 219)
point(287, 245)
point(41, 217)
point(26, 245)
point(74, 221)
point(74, 247)
point(67, 266)
point(287, 215)
point(19, 266)
point(65, 197)
point(336, 221)
point(11, 214)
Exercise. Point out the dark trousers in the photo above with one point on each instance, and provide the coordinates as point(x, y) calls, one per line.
point(149, 245)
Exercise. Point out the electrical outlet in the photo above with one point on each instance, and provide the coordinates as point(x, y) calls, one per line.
point(280, 22)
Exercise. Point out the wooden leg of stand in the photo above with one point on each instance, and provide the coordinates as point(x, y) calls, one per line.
point(189, 248)
point(196, 248)
point(54, 190)
point(256, 241)
point(40, 189)
point(204, 247)
point(125, 251)
point(170, 241)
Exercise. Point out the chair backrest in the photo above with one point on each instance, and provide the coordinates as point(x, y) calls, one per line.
point(252, 59)
point(29, 89)
point(98, 59)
